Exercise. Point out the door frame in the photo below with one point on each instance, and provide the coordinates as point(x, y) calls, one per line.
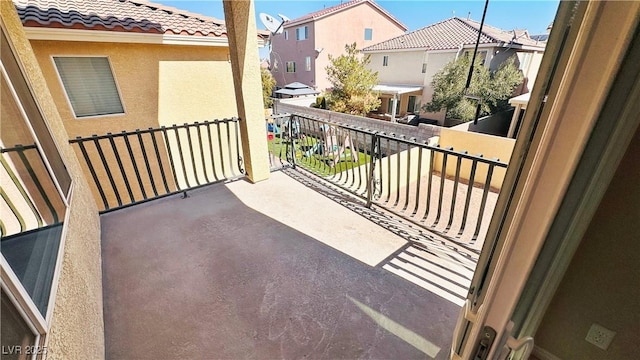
point(566, 103)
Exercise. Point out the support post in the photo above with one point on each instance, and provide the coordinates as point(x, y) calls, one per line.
point(243, 49)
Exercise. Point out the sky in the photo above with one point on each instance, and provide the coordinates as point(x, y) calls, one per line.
point(534, 16)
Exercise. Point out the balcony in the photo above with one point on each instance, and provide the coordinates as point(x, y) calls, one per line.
point(358, 246)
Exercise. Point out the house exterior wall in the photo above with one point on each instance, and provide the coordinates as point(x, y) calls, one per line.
point(283, 51)
point(601, 283)
point(435, 62)
point(331, 33)
point(159, 84)
point(77, 328)
point(404, 67)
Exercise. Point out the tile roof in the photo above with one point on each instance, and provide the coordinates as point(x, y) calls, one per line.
point(117, 15)
point(450, 33)
point(343, 6)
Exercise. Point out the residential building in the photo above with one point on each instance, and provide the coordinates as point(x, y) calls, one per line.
point(406, 64)
point(301, 52)
point(145, 64)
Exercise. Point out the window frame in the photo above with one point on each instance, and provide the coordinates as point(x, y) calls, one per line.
point(286, 34)
point(385, 60)
point(370, 31)
point(286, 67)
point(39, 323)
point(306, 33)
point(424, 67)
point(307, 63)
point(64, 89)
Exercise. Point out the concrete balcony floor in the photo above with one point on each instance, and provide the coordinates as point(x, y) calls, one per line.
point(276, 270)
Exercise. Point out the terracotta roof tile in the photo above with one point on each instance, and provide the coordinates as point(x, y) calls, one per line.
point(330, 10)
point(117, 15)
point(450, 33)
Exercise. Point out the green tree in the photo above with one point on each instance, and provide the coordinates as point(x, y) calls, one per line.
point(268, 83)
point(494, 89)
point(352, 83)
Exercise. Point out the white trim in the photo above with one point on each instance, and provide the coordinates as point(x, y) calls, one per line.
point(20, 297)
point(52, 34)
point(543, 354)
point(64, 89)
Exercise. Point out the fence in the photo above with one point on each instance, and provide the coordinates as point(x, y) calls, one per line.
point(136, 166)
point(399, 174)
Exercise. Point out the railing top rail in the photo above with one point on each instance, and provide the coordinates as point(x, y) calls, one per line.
point(17, 147)
point(411, 141)
point(152, 130)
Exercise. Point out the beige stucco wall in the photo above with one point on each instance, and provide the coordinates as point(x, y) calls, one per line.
point(404, 67)
point(435, 62)
point(159, 84)
point(77, 329)
point(601, 284)
point(491, 147)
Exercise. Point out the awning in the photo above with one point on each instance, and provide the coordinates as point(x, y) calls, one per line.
point(297, 92)
point(390, 89)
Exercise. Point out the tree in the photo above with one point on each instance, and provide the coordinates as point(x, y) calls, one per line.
point(494, 89)
point(268, 83)
point(353, 83)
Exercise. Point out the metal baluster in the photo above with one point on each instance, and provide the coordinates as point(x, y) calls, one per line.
point(419, 180)
point(389, 154)
point(236, 126)
point(146, 162)
point(429, 183)
point(193, 159)
point(408, 185)
point(107, 169)
point(92, 171)
point(398, 156)
point(213, 162)
point(220, 148)
point(16, 181)
point(204, 165)
point(179, 143)
point(233, 173)
point(171, 164)
point(467, 202)
point(454, 195)
point(485, 193)
point(135, 165)
point(152, 132)
point(114, 148)
point(443, 176)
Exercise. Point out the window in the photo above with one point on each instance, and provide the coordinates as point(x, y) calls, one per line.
point(385, 60)
point(35, 194)
point(302, 33)
point(90, 86)
point(424, 68)
point(286, 34)
point(390, 106)
point(307, 63)
point(291, 66)
point(481, 56)
point(412, 106)
point(368, 34)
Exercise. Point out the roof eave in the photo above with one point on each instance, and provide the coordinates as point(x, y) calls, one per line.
point(63, 34)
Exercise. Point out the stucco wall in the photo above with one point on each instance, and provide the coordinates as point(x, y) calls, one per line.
point(77, 329)
point(159, 84)
point(435, 62)
point(404, 67)
point(601, 284)
point(491, 147)
point(283, 50)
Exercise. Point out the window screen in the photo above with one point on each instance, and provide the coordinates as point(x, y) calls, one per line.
point(90, 85)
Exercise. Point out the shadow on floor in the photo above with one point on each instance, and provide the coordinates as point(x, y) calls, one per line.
point(207, 277)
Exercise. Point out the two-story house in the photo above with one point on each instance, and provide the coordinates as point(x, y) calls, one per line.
point(301, 52)
point(406, 64)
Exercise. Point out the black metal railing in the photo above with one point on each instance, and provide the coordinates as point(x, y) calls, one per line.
point(136, 166)
point(29, 193)
point(449, 192)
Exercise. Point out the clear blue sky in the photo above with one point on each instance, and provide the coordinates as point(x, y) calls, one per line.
point(534, 16)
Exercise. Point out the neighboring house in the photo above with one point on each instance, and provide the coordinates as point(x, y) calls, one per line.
point(406, 64)
point(301, 52)
point(144, 64)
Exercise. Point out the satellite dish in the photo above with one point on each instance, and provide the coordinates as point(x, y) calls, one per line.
point(285, 19)
point(271, 23)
